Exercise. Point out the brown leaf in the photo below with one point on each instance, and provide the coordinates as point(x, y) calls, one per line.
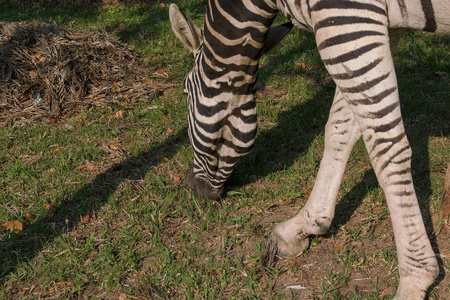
point(166, 119)
point(177, 255)
point(27, 216)
point(162, 158)
point(170, 43)
point(113, 150)
point(301, 65)
point(12, 225)
point(38, 56)
point(174, 177)
point(33, 74)
point(64, 283)
point(85, 219)
point(149, 81)
point(160, 71)
point(306, 193)
point(86, 168)
point(54, 151)
point(338, 247)
point(51, 170)
point(118, 115)
point(49, 207)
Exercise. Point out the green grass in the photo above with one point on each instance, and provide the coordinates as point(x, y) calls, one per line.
point(149, 237)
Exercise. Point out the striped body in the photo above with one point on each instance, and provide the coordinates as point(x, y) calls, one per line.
point(355, 39)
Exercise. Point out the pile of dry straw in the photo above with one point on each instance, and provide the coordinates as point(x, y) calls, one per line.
point(48, 72)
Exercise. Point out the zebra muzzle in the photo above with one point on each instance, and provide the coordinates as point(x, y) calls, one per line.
point(202, 187)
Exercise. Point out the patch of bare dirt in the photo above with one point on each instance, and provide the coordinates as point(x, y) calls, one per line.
point(361, 264)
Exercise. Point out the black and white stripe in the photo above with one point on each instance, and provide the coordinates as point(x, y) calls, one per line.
point(355, 39)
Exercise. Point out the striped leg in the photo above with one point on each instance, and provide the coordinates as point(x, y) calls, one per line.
point(341, 133)
point(360, 61)
point(290, 238)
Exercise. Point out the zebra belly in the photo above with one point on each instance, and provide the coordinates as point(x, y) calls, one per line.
point(428, 15)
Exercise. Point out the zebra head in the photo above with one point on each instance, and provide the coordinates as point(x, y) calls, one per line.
point(220, 92)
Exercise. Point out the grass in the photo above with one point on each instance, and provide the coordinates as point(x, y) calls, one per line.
point(125, 226)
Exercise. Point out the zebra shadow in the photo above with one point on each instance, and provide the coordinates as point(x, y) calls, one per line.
point(24, 245)
point(21, 247)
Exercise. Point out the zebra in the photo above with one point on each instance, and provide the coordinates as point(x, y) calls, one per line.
point(355, 39)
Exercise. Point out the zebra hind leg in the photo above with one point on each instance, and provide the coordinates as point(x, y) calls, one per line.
point(290, 238)
point(360, 62)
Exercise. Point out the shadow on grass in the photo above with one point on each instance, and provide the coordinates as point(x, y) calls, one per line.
point(25, 245)
point(132, 21)
point(276, 148)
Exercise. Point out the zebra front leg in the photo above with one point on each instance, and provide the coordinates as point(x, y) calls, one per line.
point(290, 238)
point(359, 60)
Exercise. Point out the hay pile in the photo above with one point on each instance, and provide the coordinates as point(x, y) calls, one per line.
point(46, 71)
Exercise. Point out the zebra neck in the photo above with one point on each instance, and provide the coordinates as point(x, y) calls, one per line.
point(235, 32)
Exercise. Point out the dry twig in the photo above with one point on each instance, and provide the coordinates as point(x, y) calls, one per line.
point(46, 71)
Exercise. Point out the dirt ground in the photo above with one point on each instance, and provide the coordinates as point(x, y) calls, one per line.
point(368, 269)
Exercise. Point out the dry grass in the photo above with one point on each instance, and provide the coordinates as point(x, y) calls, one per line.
point(46, 71)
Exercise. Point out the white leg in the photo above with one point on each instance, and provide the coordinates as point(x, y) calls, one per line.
point(290, 238)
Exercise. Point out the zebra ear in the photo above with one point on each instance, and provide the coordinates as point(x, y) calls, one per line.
point(186, 31)
point(275, 35)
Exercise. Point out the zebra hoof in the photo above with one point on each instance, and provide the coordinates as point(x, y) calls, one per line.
point(202, 187)
point(276, 247)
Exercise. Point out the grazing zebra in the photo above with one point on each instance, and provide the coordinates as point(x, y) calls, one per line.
point(355, 39)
